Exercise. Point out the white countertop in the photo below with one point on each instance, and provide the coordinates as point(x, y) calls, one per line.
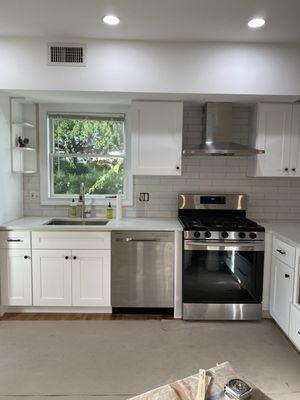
point(148, 224)
point(288, 230)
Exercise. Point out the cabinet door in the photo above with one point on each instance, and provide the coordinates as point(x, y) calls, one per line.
point(51, 277)
point(91, 278)
point(294, 332)
point(295, 142)
point(281, 293)
point(274, 136)
point(16, 277)
point(156, 134)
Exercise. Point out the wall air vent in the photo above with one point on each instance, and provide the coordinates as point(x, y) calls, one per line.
point(67, 54)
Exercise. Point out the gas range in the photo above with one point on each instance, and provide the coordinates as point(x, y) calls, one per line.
point(218, 218)
point(223, 258)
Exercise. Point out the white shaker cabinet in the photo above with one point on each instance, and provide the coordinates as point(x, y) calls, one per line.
point(91, 278)
point(294, 167)
point(15, 268)
point(51, 277)
point(71, 269)
point(276, 130)
point(295, 324)
point(156, 137)
point(16, 277)
point(281, 293)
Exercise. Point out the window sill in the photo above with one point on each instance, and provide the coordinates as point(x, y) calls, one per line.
point(65, 202)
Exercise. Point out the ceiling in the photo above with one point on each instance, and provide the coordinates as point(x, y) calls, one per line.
point(75, 97)
point(168, 20)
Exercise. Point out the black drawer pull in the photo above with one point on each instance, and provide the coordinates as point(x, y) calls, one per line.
point(286, 169)
point(67, 257)
point(26, 257)
point(74, 258)
point(286, 275)
point(281, 252)
point(298, 332)
point(14, 240)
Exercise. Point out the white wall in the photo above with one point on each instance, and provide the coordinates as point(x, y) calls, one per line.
point(136, 66)
point(11, 185)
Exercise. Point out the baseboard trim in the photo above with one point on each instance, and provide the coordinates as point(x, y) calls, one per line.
point(57, 310)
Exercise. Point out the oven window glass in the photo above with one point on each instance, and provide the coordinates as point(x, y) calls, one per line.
point(222, 276)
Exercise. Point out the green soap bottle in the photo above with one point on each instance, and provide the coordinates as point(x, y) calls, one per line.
point(109, 211)
point(73, 209)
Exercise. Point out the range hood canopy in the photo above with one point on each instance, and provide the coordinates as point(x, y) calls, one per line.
point(217, 134)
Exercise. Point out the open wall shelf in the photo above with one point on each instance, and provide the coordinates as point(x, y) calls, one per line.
point(23, 116)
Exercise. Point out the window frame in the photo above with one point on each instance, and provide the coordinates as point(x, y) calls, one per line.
point(44, 153)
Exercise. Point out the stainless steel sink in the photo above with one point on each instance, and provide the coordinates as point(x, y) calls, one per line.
point(70, 222)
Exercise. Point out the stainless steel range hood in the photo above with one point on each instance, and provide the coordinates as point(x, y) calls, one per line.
point(217, 134)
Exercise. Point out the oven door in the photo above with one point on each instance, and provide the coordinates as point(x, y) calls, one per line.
point(224, 278)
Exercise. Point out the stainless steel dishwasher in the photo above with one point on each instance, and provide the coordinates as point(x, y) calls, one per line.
point(142, 269)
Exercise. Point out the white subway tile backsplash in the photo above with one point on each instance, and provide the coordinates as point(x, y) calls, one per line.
point(268, 198)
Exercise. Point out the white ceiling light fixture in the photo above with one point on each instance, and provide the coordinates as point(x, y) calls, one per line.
point(111, 20)
point(256, 23)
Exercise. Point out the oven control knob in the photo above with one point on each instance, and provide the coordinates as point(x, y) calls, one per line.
point(252, 235)
point(207, 234)
point(225, 235)
point(197, 234)
point(242, 235)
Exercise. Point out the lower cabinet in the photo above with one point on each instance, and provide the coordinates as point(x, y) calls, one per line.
point(51, 272)
point(71, 277)
point(281, 293)
point(16, 277)
point(91, 278)
point(295, 325)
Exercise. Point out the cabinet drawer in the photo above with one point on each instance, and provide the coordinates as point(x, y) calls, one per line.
point(14, 240)
point(71, 240)
point(284, 252)
point(294, 332)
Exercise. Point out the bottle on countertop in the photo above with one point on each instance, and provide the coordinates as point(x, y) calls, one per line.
point(73, 209)
point(109, 211)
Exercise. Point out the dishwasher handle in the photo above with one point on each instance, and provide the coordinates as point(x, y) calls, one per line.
point(130, 239)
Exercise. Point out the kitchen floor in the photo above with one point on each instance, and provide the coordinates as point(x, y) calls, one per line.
point(117, 359)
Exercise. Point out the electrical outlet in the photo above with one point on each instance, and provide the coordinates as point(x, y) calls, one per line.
point(32, 195)
point(144, 196)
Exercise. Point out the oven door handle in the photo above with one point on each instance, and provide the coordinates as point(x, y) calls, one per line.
point(228, 246)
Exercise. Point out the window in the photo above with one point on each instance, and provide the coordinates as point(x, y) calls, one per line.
point(89, 148)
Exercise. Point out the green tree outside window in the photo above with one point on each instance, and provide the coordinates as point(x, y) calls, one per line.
point(87, 150)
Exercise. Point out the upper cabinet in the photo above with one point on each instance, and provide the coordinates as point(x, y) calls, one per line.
point(156, 138)
point(276, 129)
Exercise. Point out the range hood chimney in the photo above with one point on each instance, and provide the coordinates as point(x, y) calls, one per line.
point(217, 134)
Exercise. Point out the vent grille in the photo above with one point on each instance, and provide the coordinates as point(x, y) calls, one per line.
point(66, 54)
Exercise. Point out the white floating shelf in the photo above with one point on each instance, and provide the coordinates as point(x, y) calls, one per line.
point(23, 124)
point(24, 160)
point(25, 148)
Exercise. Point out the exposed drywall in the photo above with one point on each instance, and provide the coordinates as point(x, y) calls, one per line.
point(136, 66)
point(11, 185)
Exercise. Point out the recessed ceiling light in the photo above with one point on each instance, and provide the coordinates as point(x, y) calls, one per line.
point(111, 20)
point(256, 23)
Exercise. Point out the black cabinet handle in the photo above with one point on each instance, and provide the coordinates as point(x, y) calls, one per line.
point(293, 169)
point(286, 169)
point(74, 258)
point(26, 257)
point(67, 257)
point(286, 275)
point(298, 332)
point(14, 240)
point(281, 252)
point(177, 167)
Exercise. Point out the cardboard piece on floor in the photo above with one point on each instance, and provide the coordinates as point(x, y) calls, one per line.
point(187, 388)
